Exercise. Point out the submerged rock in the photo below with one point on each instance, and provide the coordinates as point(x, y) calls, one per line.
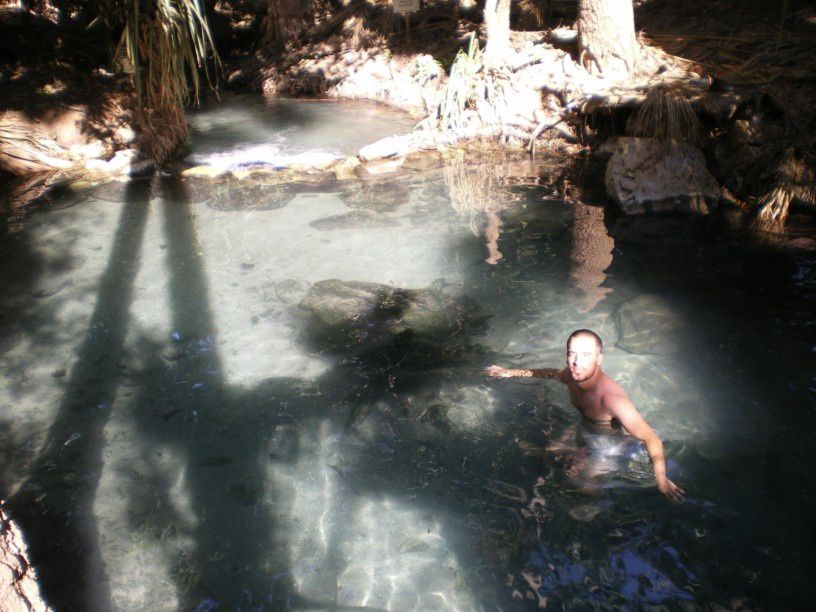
point(204, 171)
point(384, 166)
point(338, 303)
point(345, 170)
point(646, 176)
point(649, 324)
point(353, 221)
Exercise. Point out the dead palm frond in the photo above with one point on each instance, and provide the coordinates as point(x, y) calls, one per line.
point(795, 179)
point(667, 114)
point(753, 56)
point(167, 42)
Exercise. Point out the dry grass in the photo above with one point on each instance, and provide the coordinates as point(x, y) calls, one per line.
point(667, 114)
point(461, 88)
point(795, 179)
point(749, 57)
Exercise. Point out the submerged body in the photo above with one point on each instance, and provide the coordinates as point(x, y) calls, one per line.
point(601, 400)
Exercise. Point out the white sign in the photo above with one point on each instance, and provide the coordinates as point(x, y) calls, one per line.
point(403, 7)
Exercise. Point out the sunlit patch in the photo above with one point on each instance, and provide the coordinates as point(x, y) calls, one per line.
point(355, 548)
point(145, 548)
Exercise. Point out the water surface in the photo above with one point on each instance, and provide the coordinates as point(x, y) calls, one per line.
point(255, 397)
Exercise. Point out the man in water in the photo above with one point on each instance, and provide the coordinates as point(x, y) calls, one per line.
point(601, 400)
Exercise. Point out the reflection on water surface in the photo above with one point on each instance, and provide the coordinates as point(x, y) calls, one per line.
point(211, 402)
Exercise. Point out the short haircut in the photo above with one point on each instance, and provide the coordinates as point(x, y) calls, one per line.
point(586, 332)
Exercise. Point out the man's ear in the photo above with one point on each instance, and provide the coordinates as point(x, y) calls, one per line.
point(600, 358)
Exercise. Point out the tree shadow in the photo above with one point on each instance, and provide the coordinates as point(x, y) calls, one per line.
point(399, 428)
point(55, 505)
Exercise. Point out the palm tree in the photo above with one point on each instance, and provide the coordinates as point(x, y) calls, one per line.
point(168, 43)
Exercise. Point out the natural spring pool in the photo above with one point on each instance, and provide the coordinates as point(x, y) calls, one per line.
point(260, 397)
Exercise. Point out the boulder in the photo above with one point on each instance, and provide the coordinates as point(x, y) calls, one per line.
point(648, 324)
point(392, 146)
point(646, 175)
point(374, 309)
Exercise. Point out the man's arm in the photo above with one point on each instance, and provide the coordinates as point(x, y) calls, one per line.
point(499, 372)
point(622, 409)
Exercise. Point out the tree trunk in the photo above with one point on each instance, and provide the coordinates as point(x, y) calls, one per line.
point(606, 37)
point(497, 23)
point(283, 25)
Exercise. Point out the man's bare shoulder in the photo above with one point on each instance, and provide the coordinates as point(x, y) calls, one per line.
point(612, 391)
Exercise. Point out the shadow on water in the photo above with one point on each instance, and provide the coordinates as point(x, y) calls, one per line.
point(221, 433)
point(55, 505)
point(402, 423)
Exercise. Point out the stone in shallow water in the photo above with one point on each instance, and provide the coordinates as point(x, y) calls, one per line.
point(649, 324)
point(291, 291)
point(353, 221)
point(204, 171)
point(585, 512)
point(392, 146)
point(646, 175)
point(342, 304)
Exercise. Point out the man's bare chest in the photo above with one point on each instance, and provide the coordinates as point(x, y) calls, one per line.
point(590, 404)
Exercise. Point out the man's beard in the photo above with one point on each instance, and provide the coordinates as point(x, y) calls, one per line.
point(586, 375)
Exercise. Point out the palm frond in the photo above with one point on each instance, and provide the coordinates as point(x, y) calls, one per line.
point(667, 114)
point(168, 42)
point(795, 179)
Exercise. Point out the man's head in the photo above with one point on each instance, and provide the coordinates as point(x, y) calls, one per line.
point(584, 354)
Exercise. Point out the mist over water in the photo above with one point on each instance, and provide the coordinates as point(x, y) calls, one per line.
point(258, 396)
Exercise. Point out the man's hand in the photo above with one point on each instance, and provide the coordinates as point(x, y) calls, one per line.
point(672, 491)
point(497, 372)
point(500, 372)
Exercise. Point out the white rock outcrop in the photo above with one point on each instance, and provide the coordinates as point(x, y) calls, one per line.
point(646, 176)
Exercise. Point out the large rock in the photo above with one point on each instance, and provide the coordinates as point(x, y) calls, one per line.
point(646, 176)
point(389, 147)
point(648, 324)
point(342, 304)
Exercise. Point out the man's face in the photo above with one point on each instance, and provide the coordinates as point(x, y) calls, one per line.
point(583, 358)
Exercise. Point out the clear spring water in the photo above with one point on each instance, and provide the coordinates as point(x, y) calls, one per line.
point(185, 423)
